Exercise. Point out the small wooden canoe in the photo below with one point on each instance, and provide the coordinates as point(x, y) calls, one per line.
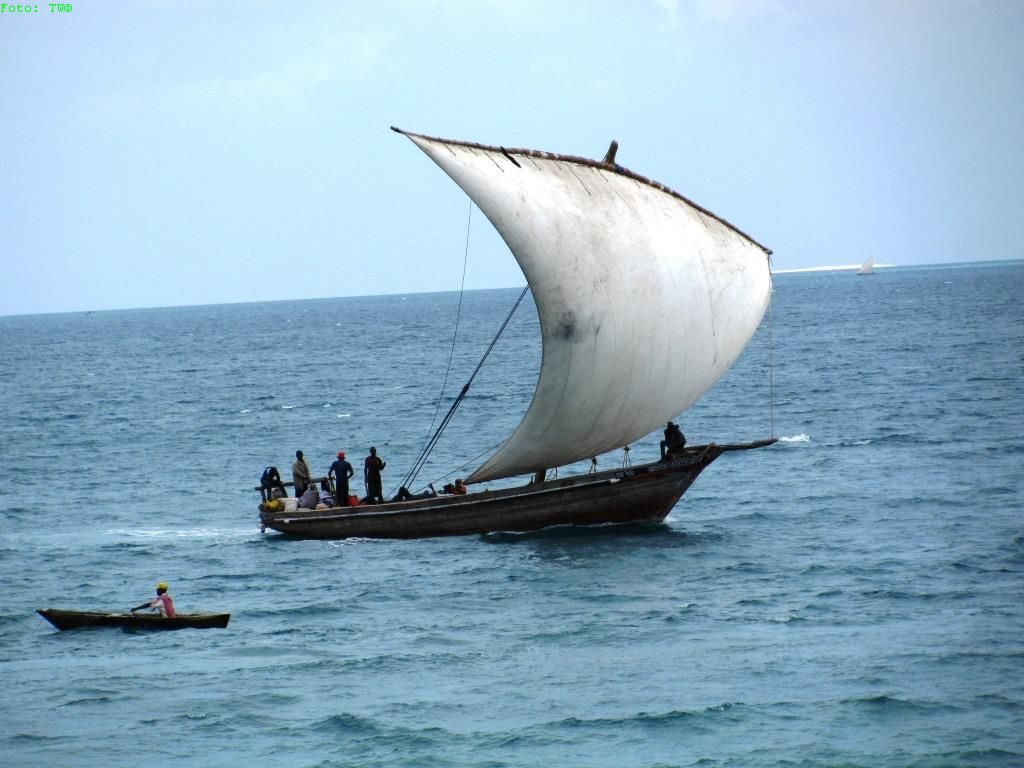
point(80, 619)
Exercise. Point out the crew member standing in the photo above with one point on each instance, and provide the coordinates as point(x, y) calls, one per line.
point(372, 467)
point(341, 470)
point(300, 474)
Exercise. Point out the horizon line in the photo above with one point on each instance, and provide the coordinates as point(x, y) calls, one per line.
point(793, 270)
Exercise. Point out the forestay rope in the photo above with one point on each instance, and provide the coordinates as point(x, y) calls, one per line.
point(425, 453)
point(455, 332)
point(432, 441)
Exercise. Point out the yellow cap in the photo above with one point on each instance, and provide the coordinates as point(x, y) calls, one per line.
point(162, 585)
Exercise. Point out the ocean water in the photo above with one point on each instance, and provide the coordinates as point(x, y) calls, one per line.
point(852, 596)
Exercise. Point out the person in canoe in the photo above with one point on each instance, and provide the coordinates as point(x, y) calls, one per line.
point(162, 602)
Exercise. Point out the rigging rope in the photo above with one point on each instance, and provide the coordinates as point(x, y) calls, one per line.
point(455, 332)
point(418, 464)
point(455, 472)
point(425, 453)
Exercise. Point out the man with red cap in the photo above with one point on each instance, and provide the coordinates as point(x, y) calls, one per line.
point(341, 471)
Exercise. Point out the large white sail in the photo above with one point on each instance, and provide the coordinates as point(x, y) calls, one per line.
point(868, 267)
point(645, 299)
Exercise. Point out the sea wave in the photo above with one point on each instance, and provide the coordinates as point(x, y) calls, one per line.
point(181, 533)
point(893, 705)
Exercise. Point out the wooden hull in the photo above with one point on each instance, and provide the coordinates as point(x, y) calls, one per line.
point(644, 493)
point(148, 621)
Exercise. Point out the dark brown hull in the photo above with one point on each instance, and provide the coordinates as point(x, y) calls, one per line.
point(645, 493)
point(81, 619)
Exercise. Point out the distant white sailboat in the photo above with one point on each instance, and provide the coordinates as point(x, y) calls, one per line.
point(868, 267)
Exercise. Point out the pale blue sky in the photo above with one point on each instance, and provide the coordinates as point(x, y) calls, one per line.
point(173, 153)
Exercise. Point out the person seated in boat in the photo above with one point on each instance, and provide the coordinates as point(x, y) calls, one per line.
point(162, 602)
point(271, 482)
point(405, 495)
point(674, 441)
point(458, 489)
point(326, 497)
point(310, 498)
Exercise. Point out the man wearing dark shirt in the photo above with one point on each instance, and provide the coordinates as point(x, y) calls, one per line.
point(341, 470)
point(674, 440)
point(372, 466)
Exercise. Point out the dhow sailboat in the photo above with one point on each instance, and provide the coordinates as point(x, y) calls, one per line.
point(645, 300)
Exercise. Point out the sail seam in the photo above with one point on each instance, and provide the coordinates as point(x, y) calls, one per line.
point(496, 165)
point(582, 184)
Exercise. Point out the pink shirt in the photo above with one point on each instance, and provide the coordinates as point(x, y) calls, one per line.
point(165, 604)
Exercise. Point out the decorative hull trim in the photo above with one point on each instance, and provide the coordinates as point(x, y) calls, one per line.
point(82, 619)
point(645, 493)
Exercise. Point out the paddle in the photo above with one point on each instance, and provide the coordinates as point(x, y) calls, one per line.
point(140, 607)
